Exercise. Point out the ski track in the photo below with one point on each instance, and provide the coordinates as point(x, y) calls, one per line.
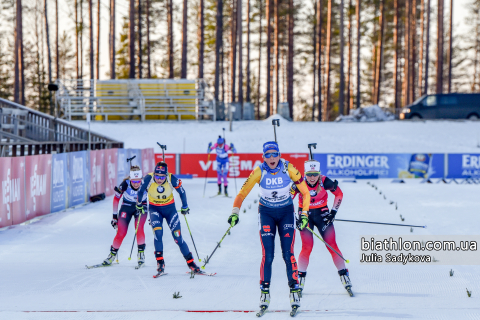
point(46, 262)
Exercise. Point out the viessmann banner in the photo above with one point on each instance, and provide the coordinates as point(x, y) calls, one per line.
point(384, 165)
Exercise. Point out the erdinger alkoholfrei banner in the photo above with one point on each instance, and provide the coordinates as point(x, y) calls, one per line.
point(389, 165)
point(240, 165)
point(463, 165)
point(59, 182)
point(38, 177)
point(111, 157)
point(78, 178)
point(97, 176)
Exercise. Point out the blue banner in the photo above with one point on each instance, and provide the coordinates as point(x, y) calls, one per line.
point(78, 178)
point(59, 182)
point(463, 165)
point(123, 168)
point(377, 165)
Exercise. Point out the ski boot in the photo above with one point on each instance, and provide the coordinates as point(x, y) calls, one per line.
point(264, 298)
point(141, 256)
point(160, 264)
point(226, 192)
point(219, 189)
point(191, 264)
point(295, 294)
point(301, 280)
point(345, 278)
point(111, 257)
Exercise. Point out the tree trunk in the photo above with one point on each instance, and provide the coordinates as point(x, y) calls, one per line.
point(348, 98)
point(57, 64)
point(276, 50)
point(314, 59)
point(319, 58)
point(201, 38)
point(98, 39)
point(90, 20)
point(170, 37)
point(149, 62)
point(112, 39)
point(218, 46)
point(131, 39)
point(140, 46)
point(439, 84)
point(49, 55)
point(240, 56)
point(291, 16)
point(413, 72)
point(420, 54)
point(248, 98)
point(268, 12)
point(326, 106)
point(406, 68)
point(341, 95)
point(427, 48)
point(17, 53)
point(450, 44)
point(358, 7)
point(374, 54)
point(184, 40)
point(81, 39)
point(233, 50)
point(259, 58)
point(395, 57)
point(378, 73)
point(77, 51)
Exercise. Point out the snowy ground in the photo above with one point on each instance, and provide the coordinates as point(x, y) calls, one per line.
point(43, 275)
point(248, 136)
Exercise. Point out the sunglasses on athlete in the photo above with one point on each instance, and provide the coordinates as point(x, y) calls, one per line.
point(312, 174)
point(160, 177)
point(136, 181)
point(271, 154)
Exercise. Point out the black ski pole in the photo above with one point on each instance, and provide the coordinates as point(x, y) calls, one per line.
point(136, 229)
point(275, 122)
point(130, 160)
point(310, 145)
point(207, 260)
point(200, 260)
point(388, 224)
point(163, 147)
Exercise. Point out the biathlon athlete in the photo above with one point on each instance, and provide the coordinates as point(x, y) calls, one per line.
point(159, 185)
point(276, 212)
point(127, 190)
point(321, 217)
point(222, 149)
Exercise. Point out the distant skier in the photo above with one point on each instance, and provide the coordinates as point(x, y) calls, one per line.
point(276, 211)
point(222, 162)
point(127, 190)
point(159, 186)
point(321, 217)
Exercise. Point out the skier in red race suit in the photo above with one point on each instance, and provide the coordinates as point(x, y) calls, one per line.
point(321, 217)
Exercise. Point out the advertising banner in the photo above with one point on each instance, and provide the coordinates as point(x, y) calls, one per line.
point(123, 168)
point(38, 179)
point(17, 191)
point(463, 165)
point(97, 175)
point(111, 158)
point(170, 159)
point(6, 212)
point(148, 160)
point(375, 165)
point(240, 166)
point(78, 178)
point(59, 182)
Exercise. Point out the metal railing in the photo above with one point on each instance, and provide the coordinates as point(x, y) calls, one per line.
point(136, 99)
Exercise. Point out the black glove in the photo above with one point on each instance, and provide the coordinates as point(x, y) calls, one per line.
point(185, 211)
point(329, 217)
point(114, 221)
point(140, 208)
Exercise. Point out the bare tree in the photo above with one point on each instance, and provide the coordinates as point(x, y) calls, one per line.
point(149, 62)
point(378, 73)
point(57, 67)
point(395, 57)
point(140, 46)
point(314, 59)
point(259, 58)
point(183, 74)
point(349, 99)
point(98, 38)
point(218, 46)
point(290, 70)
point(240, 56)
point(169, 4)
point(233, 50)
point(276, 54)
point(201, 38)
point(112, 39)
point(407, 57)
point(427, 48)
point(77, 52)
point(439, 84)
point(19, 82)
point(131, 39)
point(420, 54)
point(413, 46)
point(90, 18)
point(450, 43)
point(319, 58)
point(341, 95)
point(269, 32)
point(326, 105)
point(358, 8)
point(49, 55)
point(248, 98)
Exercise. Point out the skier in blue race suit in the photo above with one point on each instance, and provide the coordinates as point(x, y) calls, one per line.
point(222, 162)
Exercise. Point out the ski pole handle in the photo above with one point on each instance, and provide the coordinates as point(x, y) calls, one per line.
point(218, 244)
point(163, 147)
point(275, 122)
point(316, 235)
point(384, 223)
point(310, 145)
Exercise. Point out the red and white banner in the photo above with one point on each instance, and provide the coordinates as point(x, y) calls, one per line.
point(241, 164)
point(170, 159)
point(97, 172)
point(111, 158)
point(17, 194)
point(6, 213)
point(38, 177)
point(148, 160)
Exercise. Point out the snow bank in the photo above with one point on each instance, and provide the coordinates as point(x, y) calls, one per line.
point(368, 114)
